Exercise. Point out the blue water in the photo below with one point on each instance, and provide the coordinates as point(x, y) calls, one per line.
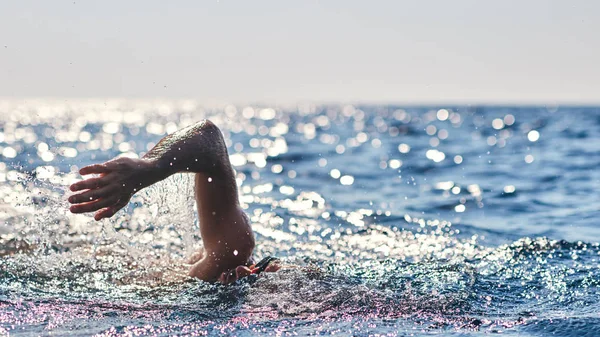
point(404, 221)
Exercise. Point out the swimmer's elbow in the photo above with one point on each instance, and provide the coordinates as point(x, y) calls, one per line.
point(199, 147)
point(207, 126)
point(212, 137)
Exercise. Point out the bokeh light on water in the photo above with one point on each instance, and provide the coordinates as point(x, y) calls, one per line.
point(405, 220)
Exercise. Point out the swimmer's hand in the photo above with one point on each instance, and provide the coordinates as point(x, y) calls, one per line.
point(118, 180)
point(243, 271)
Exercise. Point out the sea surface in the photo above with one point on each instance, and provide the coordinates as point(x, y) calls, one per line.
point(397, 220)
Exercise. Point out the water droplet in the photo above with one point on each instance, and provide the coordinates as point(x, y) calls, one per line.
point(533, 135)
point(497, 123)
point(442, 114)
point(529, 159)
point(403, 148)
point(347, 180)
point(509, 189)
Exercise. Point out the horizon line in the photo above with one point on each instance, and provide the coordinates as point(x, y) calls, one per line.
point(413, 103)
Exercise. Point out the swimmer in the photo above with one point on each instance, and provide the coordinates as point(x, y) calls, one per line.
point(224, 227)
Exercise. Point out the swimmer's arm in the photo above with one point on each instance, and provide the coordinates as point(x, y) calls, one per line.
point(199, 148)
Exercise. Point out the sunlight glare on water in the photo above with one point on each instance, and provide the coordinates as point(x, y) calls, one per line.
point(394, 220)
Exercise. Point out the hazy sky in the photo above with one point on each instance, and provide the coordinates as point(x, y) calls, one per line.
point(537, 51)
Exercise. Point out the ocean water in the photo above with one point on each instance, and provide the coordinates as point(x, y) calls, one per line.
point(403, 221)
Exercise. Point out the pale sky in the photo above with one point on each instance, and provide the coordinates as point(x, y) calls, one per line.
point(466, 51)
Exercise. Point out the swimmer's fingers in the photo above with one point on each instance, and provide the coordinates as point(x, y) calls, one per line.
point(91, 195)
point(94, 205)
point(89, 184)
point(227, 277)
point(223, 278)
point(234, 275)
point(110, 211)
point(96, 168)
point(242, 271)
point(273, 267)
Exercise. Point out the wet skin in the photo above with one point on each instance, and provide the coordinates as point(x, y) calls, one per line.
point(200, 148)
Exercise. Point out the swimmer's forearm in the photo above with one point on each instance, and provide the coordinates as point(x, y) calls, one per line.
point(199, 148)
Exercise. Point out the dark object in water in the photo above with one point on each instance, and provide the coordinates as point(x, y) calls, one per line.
point(263, 264)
